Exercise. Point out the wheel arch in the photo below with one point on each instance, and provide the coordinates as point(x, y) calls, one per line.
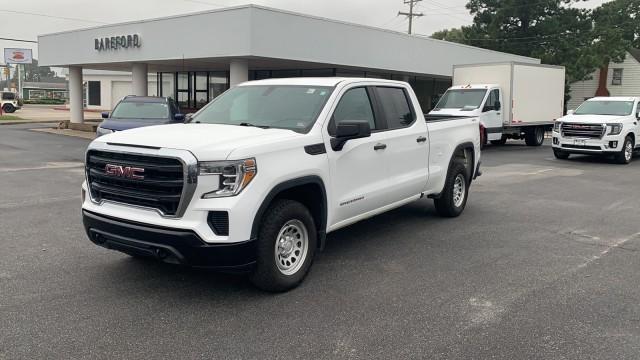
point(308, 190)
point(463, 151)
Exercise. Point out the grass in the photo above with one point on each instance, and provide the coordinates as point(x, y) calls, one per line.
point(10, 117)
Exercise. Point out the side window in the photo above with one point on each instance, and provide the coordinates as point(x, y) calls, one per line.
point(354, 105)
point(395, 107)
point(493, 100)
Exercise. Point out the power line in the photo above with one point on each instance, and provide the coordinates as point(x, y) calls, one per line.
point(51, 16)
point(410, 14)
point(20, 40)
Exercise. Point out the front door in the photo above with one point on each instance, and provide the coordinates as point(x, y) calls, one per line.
point(492, 115)
point(358, 174)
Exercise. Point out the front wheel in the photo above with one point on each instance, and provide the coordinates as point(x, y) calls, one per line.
point(626, 154)
point(287, 243)
point(559, 154)
point(454, 196)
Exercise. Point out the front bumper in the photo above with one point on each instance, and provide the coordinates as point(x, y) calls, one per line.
point(608, 144)
point(169, 245)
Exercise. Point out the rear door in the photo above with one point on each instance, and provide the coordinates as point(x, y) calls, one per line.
point(358, 174)
point(407, 143)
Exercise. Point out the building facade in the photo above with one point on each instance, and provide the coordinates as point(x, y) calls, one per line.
point(250, 42)
point(621, 79)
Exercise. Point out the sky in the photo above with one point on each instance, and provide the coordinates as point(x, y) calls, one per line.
point(26, 19)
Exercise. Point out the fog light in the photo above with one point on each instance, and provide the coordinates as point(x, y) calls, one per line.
point(613, 144)
point(555, 141)
point(84, 195)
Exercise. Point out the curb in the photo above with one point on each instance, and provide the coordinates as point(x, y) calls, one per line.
point(18, 122)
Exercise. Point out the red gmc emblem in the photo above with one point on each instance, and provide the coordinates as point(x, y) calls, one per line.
point(128, 172)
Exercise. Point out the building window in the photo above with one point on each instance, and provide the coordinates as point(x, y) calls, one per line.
point(617, 77)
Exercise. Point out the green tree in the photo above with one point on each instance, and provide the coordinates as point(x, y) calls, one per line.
point(616, 30)
point(453, 35)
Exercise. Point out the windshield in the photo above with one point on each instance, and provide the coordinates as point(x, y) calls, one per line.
point(141, 110)
point(8, 96)
point(271, 106)
point(614, 108)
point(468, 99)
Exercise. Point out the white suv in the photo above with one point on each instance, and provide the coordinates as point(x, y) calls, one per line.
point(600, 126)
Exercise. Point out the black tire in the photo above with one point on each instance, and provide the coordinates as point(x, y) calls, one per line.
point(559, 154)
point(502, 141)
point(267, 274)
point(625, 156)
point(535, 136)
point(9, 108)
point(447, 205)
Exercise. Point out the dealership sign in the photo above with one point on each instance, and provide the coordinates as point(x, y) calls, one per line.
point(18, 56)
point(118, 42)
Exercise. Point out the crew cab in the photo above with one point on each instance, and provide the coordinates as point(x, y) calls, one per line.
point(600, 126)
point(256, 179)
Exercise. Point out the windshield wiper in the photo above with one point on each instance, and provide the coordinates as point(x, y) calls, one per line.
point(252, 125)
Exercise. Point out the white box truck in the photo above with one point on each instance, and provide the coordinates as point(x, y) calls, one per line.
point(513, 100)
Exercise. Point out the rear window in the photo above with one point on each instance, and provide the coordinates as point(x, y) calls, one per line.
point(8, 96)
point(395, 106)
point(141, 110)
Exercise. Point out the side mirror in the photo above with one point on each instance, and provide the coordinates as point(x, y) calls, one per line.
point(348, 130)
point(105, 115)
point(570, 112)
point(178, 117)
point(497, 106)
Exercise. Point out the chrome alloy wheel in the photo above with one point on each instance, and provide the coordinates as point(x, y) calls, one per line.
point(628, 150)
point(292, 245)
point(458, 190)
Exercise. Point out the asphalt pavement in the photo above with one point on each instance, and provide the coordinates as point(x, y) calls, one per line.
point(543, 264)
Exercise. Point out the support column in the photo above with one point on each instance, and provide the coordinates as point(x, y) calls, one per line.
point(140, 79)
point(75, 94)
point(238, 71)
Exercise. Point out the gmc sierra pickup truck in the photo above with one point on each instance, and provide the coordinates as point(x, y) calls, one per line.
point(256, 179)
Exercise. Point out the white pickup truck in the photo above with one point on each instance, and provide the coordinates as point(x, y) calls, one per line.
point(257, 178)
point(600, 126)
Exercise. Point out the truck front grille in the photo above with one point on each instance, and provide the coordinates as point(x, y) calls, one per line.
point(139, 180)
point(592, 131)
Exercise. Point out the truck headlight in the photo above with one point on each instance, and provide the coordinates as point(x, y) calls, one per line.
point(614, 129)
point(234, 175)
point(556, 126)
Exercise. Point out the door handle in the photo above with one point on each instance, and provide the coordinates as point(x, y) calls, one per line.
point(421, 139)
point(379, 146)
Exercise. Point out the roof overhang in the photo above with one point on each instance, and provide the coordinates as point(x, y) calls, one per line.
point(264, 36)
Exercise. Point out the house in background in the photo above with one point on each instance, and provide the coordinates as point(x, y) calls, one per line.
point(45, 92)
point(618, 79)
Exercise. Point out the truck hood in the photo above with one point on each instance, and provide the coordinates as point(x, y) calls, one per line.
point(205, 141)
point(593, 119)
point(455, 112)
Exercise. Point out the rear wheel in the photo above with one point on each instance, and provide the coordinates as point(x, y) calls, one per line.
point(8, 108)
point(287, 243)
point(559, 154)
point(454, 196)
point(535, 136)
point(626, 154)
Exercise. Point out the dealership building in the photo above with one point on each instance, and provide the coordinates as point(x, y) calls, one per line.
point(195, 57)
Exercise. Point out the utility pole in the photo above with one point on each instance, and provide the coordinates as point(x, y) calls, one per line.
point(410, 14)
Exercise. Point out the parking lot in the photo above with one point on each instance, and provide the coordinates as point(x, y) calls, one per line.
point(543, 264)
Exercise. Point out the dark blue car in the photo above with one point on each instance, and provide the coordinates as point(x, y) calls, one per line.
point(137, 111)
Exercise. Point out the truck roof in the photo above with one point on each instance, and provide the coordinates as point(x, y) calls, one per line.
point(316, 81)
point(475, 86)
point(614, 98)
